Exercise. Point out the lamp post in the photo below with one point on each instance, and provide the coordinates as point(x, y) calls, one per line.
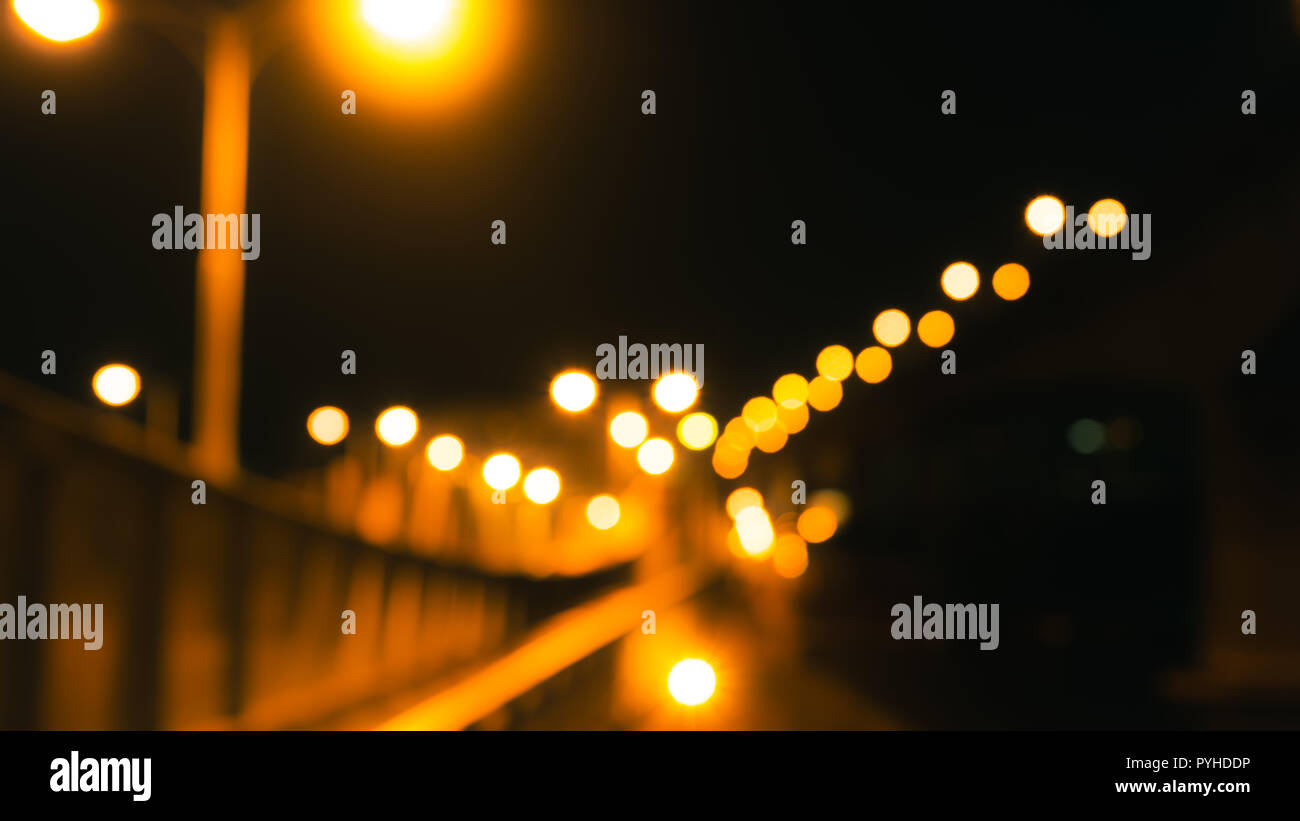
point(219, 289)
point(218, 42)
point(218, 39)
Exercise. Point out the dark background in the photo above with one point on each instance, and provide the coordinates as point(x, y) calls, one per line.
point(675, 228)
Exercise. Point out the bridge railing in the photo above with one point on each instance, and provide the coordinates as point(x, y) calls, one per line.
point(231, 613)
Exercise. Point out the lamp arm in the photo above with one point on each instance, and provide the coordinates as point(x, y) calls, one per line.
point(180, 23)
point(184, 24)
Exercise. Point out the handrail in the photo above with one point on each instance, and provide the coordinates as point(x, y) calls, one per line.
point(558, 643)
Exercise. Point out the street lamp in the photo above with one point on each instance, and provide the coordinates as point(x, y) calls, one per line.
point(219, 41)
point(445, 452)
point(59, 20)
point(573, 391)
point(692, 682)
point(116, 384)
point(406, 20)
point(223, 38)
point(328, 425)
point(501, 471)
point(397, 426)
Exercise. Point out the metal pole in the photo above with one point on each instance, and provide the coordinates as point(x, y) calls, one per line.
point(219, 296)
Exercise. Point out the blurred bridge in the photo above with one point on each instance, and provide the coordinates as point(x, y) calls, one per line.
point(469, 613)
point(228, 614)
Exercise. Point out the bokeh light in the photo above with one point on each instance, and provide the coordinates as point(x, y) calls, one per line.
point(328, 425)
point(1124, 433)
point(790, 391)
point(542, 485)
point(407, 20)
point(59, 20)
point(675, 392)
point(691, 682)
point(1086, 436)
point(960, 281)
point(1011, 281)
point(501, 471)
point(573, 391)
point(1107, 217)
point(741, 498)
point(836, 500)
point(755, 529)
point(697, 430)
point(835, 362)
point(116, 384)
point(445, 452)
point(739, 432)
point(824, 394)
point(792, 419)
point(774, 438)
point(1045, 215)
point(414, 58)
point(396, 426)
point(790, 556)
point(628, 429)
point(603, 512)
point(874, 364)
point(759, 413)
point(817, 524)
point(655, 456)
point(936, 329)
point(891, 328)
point(729, 460)
point(734, 545)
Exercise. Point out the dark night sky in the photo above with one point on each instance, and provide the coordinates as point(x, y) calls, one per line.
point(672, 228)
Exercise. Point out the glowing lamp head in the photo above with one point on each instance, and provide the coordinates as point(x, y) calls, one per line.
point(541, 486)
point(936, 329)
point(410, 21)
point(328, 425)
point(655, 456)
point(116, 384)
point(741, 498)
point(59, 20)
point(396, 426)
point(628, 429)
point(1107, 217)
point(697, 430)
point(823, 394)
point(874, 364)
point(759, 413)
point(573, 391)
point(960, 281)
point(1045, 215)
point(790, 556)
point(445, 452)
point(692, 682)
point(501, 471)
point(835, 362)
point(1011, 281)
point(790, 391)
point(675, 392)
point(817, 524)
point(603, 512)
point(892, 327)
point(755, 529)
